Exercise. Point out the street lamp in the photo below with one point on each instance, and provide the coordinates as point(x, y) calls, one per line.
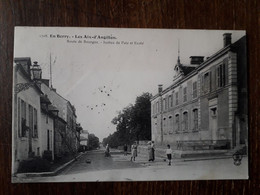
point(36, 71)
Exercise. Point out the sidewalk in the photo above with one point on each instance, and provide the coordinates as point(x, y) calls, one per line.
point(52, 173)
point(143, 159)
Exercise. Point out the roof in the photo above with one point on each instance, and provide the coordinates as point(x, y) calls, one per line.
point(83, 138)
point(25, 74)
point(44, 99)
point(188, 70)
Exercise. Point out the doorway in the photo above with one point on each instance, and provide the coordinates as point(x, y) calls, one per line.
point(213, 123)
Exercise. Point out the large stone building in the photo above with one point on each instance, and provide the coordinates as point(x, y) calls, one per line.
point(206, 106)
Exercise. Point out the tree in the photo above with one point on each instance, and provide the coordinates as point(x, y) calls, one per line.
point(132, 123)
point(93, 141)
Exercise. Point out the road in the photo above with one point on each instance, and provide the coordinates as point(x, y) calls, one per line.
point(94, 166)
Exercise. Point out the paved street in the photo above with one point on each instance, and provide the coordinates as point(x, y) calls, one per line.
point(93, 166)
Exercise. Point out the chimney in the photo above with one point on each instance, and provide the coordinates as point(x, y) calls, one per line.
point(160, 89)
point(196, 60)
point(227, 39)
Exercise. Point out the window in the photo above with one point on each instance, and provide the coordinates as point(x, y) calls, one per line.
point(38, 151)
point(35, 123)
point(185, 121)
point(195, 120)
point(177, 122)
point(47, 120)
point(185, 94)
point(172, 100)
point(164, 104)
point(157, 107)
point(177, 98)
point(170, 124)
point(194, 89)
point(48, 139)
point(30, 119)
point(221, 73)
point(164, 125)
point(19, 117)
point(169, 101)
point(206, 83)
point(23, 119)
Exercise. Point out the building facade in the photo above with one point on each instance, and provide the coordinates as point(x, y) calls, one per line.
point(44, 123)
point(26, 113)
point(84, 139)
point(207, 102)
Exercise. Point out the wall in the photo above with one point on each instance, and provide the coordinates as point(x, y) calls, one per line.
point(31, 97)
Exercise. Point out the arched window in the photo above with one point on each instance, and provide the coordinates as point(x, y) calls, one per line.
point(164, 125)
point(185, 121)
point(170, 126)
point(177, 122)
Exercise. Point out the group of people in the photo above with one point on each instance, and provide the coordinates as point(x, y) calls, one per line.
point(151, 151)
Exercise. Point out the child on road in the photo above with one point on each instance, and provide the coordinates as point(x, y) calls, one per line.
point(169, 154)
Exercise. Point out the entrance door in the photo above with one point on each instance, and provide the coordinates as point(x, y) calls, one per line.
point(213, 125)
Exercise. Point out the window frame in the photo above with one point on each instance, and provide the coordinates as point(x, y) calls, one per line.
point(194, 89)
point(185, 98)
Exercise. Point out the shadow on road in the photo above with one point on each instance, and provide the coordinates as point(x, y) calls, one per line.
point(96, 161)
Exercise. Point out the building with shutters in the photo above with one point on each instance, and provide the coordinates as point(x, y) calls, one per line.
point(32, 120)
point(44, 123)
point(206, 106)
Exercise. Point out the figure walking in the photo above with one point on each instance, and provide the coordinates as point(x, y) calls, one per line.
point(107, 151)
point(153, 150)
point(133, 152)
point(125, 150)
point(150, 154)
point(169, 154)
point(150, 151)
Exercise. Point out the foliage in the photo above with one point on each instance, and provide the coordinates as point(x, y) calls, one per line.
point(93, 142)
point(36, 164)
point(47, 154)
point(132, 123)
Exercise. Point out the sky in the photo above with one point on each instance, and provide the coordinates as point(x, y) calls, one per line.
point(102, 70)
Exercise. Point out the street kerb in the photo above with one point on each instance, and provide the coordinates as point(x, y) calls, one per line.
point(46, 174)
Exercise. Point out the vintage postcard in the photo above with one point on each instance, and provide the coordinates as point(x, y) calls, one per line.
point(117, 104)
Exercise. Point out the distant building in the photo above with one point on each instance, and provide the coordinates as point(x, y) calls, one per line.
point(84, 139)
point(207, 102)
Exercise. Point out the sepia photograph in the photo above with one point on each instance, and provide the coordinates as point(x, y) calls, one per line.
point(119, 104)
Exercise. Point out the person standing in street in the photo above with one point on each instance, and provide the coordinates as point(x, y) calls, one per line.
point(107, 151)
point(153, 150)
point(169, 154)
point(133, 152)
point(150, 152)
point(125, 150)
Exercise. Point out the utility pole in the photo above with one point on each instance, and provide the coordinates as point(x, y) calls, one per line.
point(50, 72)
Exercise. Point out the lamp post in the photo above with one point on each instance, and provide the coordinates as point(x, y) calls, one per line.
point(36, 71)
